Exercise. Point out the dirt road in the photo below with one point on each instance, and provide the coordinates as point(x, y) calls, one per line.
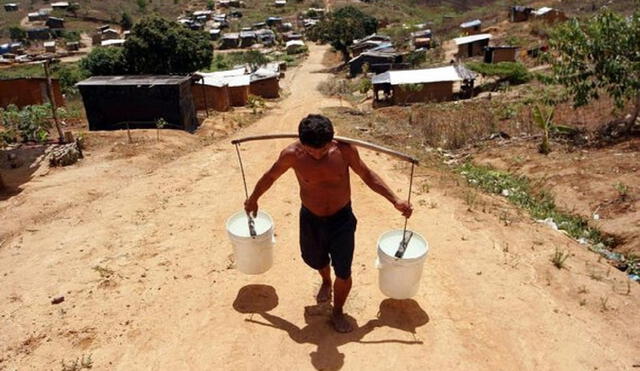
point(144, 265)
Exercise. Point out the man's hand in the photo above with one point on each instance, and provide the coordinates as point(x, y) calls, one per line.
point(251, 207)
point(404, 207)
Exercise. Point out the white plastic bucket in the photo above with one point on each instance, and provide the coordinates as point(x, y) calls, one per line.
point(253, 255)
point(400, 278)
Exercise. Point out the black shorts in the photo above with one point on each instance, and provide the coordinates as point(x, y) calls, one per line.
point(325, 239)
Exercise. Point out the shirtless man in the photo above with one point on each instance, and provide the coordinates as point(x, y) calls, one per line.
point(327, 224)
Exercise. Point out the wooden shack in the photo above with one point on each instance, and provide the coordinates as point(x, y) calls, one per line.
point(471, 46)
point(471, 27)
point(55, 23)
point(519, 13)
point(410, 86)
point(230, 41)
point(549, 15)
point(28, 91)
point(378, 62)
point(10, 7)
point(217, 97)
point(265, 83)
point(497, 54)
point(112, 102)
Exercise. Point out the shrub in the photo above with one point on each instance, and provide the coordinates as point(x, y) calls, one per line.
point(513, 72)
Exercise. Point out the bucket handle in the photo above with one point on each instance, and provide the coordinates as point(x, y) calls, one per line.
point(405, 240)
point(251, 221)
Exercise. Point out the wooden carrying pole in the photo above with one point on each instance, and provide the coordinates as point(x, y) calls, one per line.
point(52, 100)
point(356, 142)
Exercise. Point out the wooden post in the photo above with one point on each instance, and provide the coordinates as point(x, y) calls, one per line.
point(204, 94)
point(54, 108)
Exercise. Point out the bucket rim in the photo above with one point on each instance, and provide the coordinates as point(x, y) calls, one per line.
point(382, 252)
point(260, 212)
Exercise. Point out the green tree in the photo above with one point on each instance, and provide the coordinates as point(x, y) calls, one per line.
point(599, 55)
point(105, 61)
point(125, 21)
point(73, 9)
point(341, 27)
point(211, 4)
point(17, 34)
point(160, 46)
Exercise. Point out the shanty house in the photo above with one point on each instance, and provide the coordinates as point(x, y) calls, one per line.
point(73, 46)
point(214, 33)
point(378, 62)
point(497, 54)
point(409, 86)
point(230, 41)
point(110, 34)
point(28, 91)
point(38, 16)
point(471, 27)
point(203, 13)
point(265, 83)
point(273, 21)
point(280, 3)
point(294, 46)
point(367, 43)
point(247, 38)
point(470, 46)
point(112, 102)
point(10, 7)
point(421, 39)
point(519, 13)
point(60, 5)
point(55, 23)
point(50, 46)
point(210, 93)
point(549, 15)
point(266, 37)
point(291, 36)
point(39, 34)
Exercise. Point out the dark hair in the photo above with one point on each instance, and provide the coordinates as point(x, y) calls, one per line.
point(315, 131)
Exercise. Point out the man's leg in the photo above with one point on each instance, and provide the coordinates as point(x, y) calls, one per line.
point(324, 295)
point(341, 288)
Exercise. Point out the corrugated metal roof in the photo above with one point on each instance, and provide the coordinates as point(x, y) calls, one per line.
point(134, 80)
point(294, 42)
point(472, 38)
point(235, 77)
point(423, 76)
point(112, 42)
point(475, 22)
point(542, 11)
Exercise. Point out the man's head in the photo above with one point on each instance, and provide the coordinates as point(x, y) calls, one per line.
point(315, 131)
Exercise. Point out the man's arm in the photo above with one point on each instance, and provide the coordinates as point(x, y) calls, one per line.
point(373, 180)
point(282, 164)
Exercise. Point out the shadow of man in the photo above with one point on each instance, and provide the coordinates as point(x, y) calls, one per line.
point(405, 315)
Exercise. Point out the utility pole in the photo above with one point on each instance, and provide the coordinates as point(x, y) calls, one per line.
point(54, 108)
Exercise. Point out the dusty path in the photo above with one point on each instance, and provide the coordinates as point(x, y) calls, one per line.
point(165, 298)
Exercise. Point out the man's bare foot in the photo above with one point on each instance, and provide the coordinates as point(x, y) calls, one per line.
point(324, 294)
point(341, 322)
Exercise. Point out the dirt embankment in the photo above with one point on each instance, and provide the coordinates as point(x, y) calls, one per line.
point(145, 268)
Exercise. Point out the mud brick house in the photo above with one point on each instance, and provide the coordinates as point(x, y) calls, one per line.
point(28, 91)
point(50, 46)
point(424, 85)
point(112, 102)
point(497, 54)
point(471, 27)
point(470, 46)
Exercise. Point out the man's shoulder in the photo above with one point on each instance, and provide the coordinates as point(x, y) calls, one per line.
point(293, 150)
